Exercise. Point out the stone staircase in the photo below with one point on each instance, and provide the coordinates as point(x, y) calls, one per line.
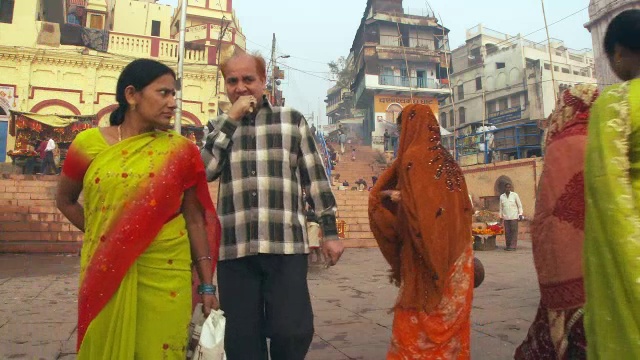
point(365, 165)
point(353, 205)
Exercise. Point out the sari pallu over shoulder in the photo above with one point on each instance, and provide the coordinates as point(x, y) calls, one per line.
point(424, 235)
point(612, 225)
point(158, 168)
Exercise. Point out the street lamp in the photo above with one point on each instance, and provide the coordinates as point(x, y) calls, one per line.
point(273, 77)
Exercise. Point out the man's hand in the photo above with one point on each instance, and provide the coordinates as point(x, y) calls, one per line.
point(243, 106)
point(332, 250)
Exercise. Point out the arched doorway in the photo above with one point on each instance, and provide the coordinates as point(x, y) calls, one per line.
point(501, 182)
point(392, 112)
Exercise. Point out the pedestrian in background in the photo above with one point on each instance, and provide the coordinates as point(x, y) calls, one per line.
point(510, 214)
point(342, 140)
point(612, 187)
point(264, 255)
point(48, 163)
point(387, 140)
point(148, 220)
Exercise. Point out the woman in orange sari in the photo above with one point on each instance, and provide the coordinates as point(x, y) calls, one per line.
point(147, 217)
point(420, 214)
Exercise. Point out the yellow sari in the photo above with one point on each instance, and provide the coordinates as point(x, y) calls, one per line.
point(612, 226)
point(135, 280)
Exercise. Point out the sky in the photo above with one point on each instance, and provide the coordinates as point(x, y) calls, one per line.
point(316, 32)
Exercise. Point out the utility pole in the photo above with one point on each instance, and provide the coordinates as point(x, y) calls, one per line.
point(445, 45)
point(223, 30)
point(273, 70)
point(553, 77)
point(179, 83)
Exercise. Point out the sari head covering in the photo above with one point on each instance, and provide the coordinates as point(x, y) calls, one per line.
point(423, 235)
point(558, 232)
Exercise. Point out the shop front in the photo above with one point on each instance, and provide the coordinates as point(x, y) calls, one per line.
point(30, 129)
point(387, 108)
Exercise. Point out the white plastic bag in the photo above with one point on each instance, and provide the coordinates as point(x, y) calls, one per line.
point(211, 345)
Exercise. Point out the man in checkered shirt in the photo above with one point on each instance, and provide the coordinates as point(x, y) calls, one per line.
point(264, 156)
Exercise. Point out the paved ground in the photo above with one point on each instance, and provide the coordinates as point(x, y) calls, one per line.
point(351, 303)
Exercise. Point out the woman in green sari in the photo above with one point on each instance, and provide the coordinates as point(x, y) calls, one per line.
point(147, 216)
point(612, 186)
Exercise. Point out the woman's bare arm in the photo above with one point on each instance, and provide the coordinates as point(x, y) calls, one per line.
point(67, 201)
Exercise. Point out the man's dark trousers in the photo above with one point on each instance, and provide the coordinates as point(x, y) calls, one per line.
point(511, 233)
point(266, 296)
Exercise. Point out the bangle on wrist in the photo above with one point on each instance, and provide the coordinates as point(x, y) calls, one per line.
point(201, 258)
point(206, 289)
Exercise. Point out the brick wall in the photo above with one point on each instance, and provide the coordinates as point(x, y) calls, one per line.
point(525, 175)
point(29, 221)
point(352, 208)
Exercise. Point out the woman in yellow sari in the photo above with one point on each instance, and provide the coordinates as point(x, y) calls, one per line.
point(147, 216)
point(612, 186)
point(420, 214)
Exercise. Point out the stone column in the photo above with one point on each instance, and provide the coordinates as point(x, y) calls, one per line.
point(601, 12)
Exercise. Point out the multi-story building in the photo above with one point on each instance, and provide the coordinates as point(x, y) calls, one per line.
point(400, 58)
point(504, 84)
point(64, 56)
point(339, 103)
point(601, 12)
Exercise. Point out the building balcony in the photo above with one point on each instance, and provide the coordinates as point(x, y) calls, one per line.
point(403, 81)
point(423, 54)
point(334, 107)
point(162, 49)
point(367, 84)
point(393, 40)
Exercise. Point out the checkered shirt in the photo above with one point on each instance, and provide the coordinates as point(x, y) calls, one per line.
point(263, 163)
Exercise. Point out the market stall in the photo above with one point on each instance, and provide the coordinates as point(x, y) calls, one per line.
point(193, 133)
point(486, 227)
point(29, 129)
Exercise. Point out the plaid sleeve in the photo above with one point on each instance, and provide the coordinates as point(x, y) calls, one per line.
point(215, 151)
point(315, 181)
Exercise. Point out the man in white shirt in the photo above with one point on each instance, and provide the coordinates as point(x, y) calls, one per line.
point(510, 213)
point(48, 164)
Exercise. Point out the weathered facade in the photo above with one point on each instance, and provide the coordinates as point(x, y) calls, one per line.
point(505, 83)
point(601, 12)
point(46, 70)
point(400, 59)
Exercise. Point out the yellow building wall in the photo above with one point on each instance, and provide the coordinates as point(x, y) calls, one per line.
point(68, 79)
point(24, 12)
point(135, 17)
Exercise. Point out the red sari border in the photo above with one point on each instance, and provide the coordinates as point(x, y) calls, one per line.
point(133, 232)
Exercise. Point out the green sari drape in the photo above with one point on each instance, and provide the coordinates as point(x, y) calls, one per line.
point(612, 226)
point(135, 292)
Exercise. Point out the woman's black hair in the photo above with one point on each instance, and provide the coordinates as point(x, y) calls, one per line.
point(623, 30)
point(139, 73)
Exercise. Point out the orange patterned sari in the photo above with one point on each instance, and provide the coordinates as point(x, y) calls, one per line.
point(426, 238)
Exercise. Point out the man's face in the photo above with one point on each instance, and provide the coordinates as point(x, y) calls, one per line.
point(242, 79)
point(507, 188)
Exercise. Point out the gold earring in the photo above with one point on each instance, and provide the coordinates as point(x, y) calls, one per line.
point(133, 107)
